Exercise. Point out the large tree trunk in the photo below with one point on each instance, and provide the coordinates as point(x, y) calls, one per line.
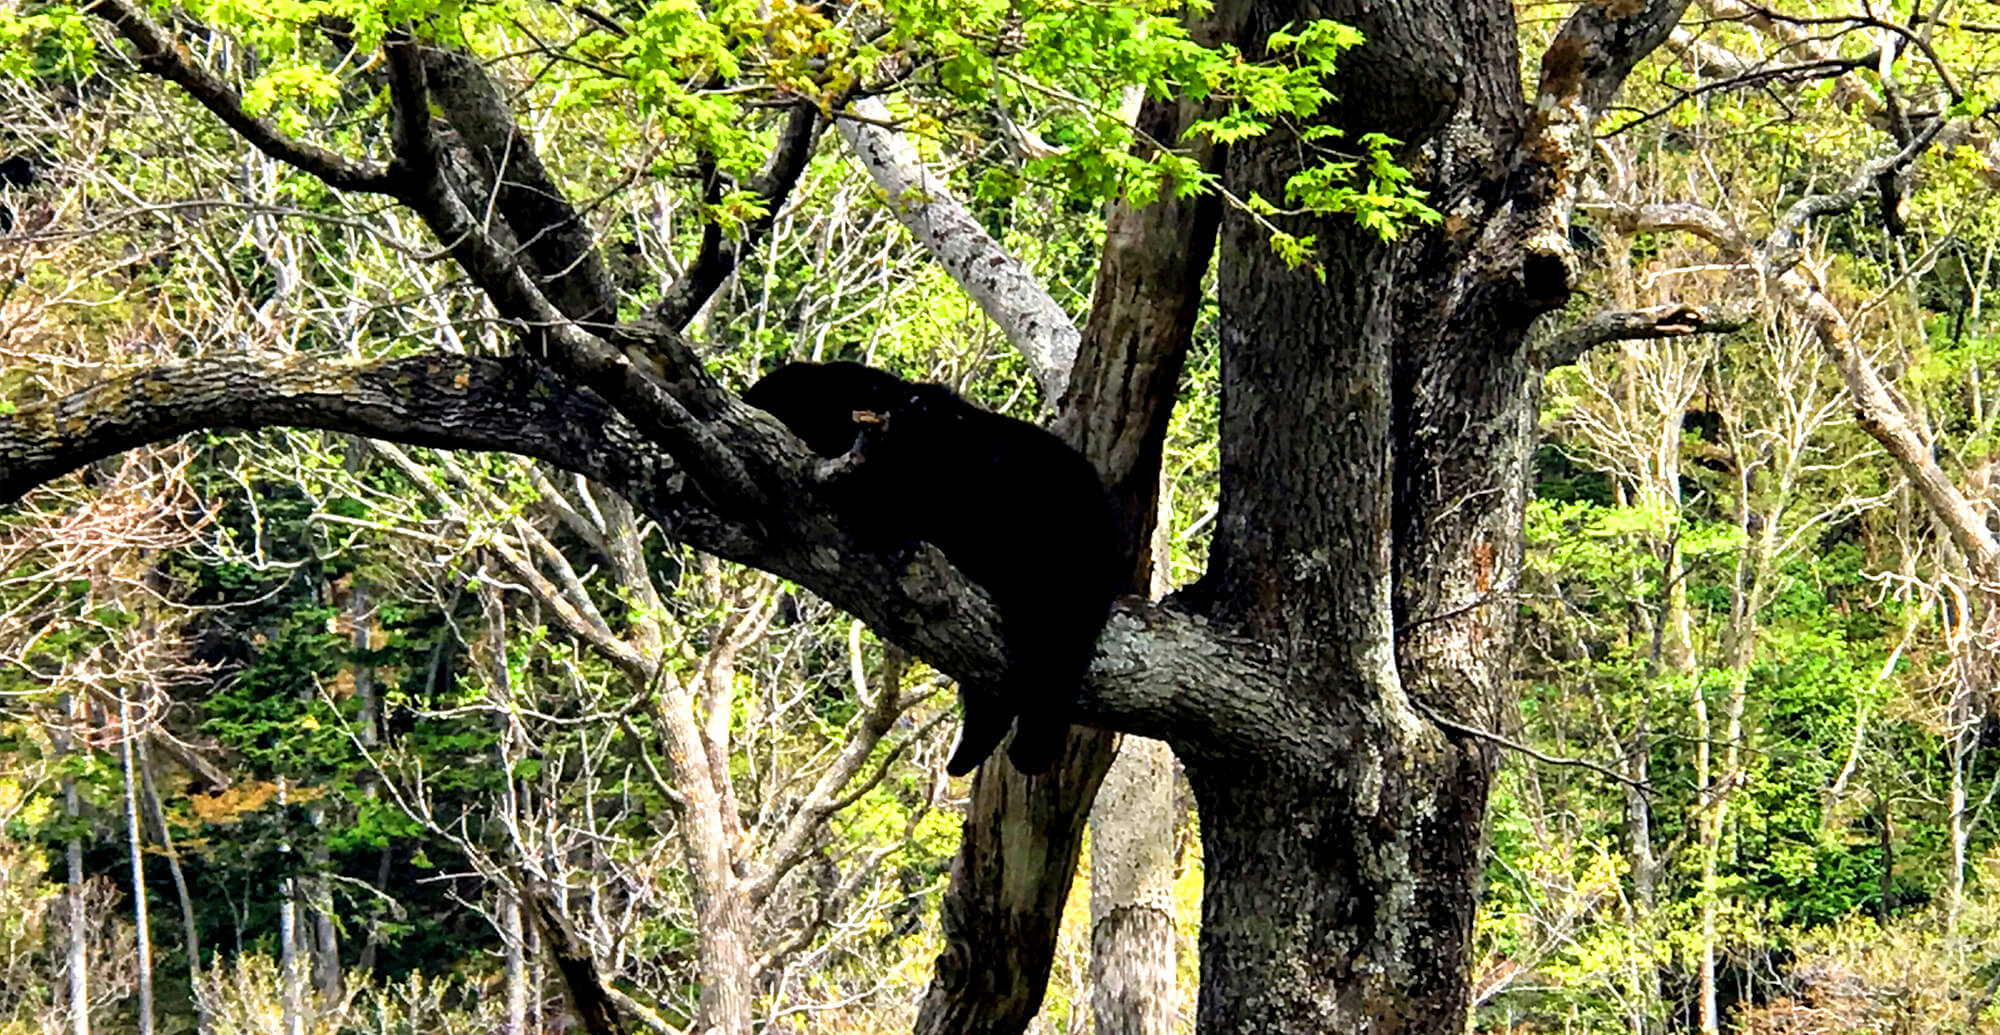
point(1376, 428)
point(1340, 900)
point(1331, 692)
point(1119, 399)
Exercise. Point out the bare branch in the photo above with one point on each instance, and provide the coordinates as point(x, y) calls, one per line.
point(1682, 216)
point(1880, 410)
point(1546, 759)
point(160, 55)
point(1862, 21)
point(1781, 252)
point(719, 255)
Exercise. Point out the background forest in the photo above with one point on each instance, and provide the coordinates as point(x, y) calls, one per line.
point(289, 720)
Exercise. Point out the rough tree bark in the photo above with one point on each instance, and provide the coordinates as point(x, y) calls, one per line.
point(1132, 965)
point(1327, 683)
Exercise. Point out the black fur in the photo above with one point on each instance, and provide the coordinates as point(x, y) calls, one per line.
point(18, 171)
point(1011, 506)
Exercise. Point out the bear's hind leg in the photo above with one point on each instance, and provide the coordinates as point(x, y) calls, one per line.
point(986, 720)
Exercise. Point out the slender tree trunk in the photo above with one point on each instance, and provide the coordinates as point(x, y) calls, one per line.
point(135, 839)
point(326, 976)
point(190, 926)
point(1133, 971)
point(79, 925)
point(500, 677)
point(79, 917)
point(721, 909)
point(1962, 748)
point(517, 970)
point(1644, 1016)
point(1710, 830)
point(1885, 891)
point(532, 942)
point(367, 719)
point(291, 992)
point(1710, 836)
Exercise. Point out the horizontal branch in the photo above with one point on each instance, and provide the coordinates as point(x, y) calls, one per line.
point(1665, 321)
point(1160, 673)
point(1677, 216)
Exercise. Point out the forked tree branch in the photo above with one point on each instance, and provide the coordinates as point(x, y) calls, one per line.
point(556, 244)
point(594, 362)
point(416, 177)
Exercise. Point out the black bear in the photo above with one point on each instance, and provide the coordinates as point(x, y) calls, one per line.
point(1014, 509)
point(15, 171)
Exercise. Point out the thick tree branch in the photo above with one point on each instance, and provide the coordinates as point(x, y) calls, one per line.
point(416, 177)
point(1583, 69)
point(518, 406)
point(1682, 216)
point(556, 244)
point(159, 54)
point(604, 369)
point(1598, 47)
point(1664, 321)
